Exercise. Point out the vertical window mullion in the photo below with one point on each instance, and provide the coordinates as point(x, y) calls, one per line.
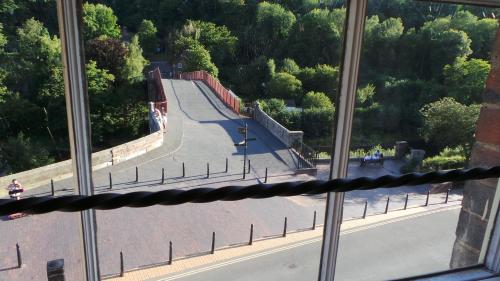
point(353, 38)
point(69, 17)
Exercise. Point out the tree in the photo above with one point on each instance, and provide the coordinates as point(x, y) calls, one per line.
point(381, 42)
point(3, 40)
point(198, 58)
point(289, 66)
point(321, 78)
point(108, 53)
point(316, 100)
point(134, 62)
point(272, 106)
point(99, 20)
point(465, 79)
point(448, 123)
point(272, 25)
point(285, 86)
point(20, 153)
point(147, 36)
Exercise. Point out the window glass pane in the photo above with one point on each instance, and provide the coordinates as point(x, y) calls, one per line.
point(421, 87)
point(173, 87)
point(34, 146)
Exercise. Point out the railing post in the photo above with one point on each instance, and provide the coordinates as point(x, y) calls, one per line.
point(213, 243)
point(366, 207)
point(170, 253)
point(136, 174)
point(110, 181)
point(406, 201)
point(122, 267)
point(248, 172)
point(387, 205)
point(19, 258)
point(162, 175)
point(284, 227)
point(183, 170)
point(265, 178)
point(427, 199)
point(314, 221)
point(250, 242)
point(227, 164)
point(52, 187)
point(208, 170)
point(447, 195)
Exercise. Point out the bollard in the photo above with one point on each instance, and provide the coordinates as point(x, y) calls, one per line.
point(427, 199)
point(183, 170)
point(265, 178)
point(284, 227)
point(55, 270)
point(250, 242)
point(406, 201)
point(248, 172)
point(110, 181)
point(170, 253)
point(162, 175)
point(213, 243)
point(19, 258)
point(122, 267)
point(136, 174)
point(208, 170)
point(366, 207)
point(447, 195)
point(52, 187)
point(314, 221)
point(227, 164)
point(387, 205)
point(244, 171)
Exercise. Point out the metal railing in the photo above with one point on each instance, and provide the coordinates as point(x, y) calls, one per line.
point(306, 156)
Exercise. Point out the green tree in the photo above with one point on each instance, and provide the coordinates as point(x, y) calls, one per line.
point(316, 100)
point(134, 62)
point(285, 86)
point(99, 20)
point(198, 58)
point(382, 41)
point(449, 123)
point(465, 79)
point(272, 24)
point(289, 66)
point(20, 153)
point(272, 106)
point(108, 53)
point(147, 36)
point(3, 40)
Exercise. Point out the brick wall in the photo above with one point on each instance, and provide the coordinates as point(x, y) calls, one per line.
point(479, 195)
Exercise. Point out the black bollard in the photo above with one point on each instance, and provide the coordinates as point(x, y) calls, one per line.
point(427, 199)
point(183, 170)
point(136, 174)
point(213, 243)
point(19, 258)
point(284, 227)
point(52, 187)
point(110, 181)
point(265, 178)
point(122, 267)
point(248, 172)
point(366, 207)
point(208, 170)
point(244, 171)
point(314, 221)
point(162, 175)
point(170, 253)
point(406, 201)
point(250, 242)
point(447, 195)
point(227, 164)
point(387, 206)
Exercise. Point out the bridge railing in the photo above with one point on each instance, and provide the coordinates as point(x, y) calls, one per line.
point(225, 95)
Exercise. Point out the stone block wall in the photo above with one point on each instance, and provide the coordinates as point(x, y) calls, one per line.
point(479, 195)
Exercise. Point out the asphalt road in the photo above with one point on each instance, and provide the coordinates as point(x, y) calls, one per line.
point(399, 249)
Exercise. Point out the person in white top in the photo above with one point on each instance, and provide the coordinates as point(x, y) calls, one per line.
point(15, 189)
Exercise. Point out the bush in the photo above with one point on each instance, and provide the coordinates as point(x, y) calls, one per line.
point(443, 163)
point(358, 153)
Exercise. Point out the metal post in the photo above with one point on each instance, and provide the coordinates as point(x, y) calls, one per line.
point(208, 170)
point(265, 179)
point(284, 227)
point(162, 175)
point(366, 207)
point(136, 174)
point(19, 258)
point(170, 253)
point(314, 221)
point(69, 14)
point(110, 181)
point(213, 243)
point(183, 170)
point(52, 187)
point(227, 164)
point(245, 151)
point(248, 172)
point(122, 267)
point(387, 205)
point(250, 242)
point(406, 201)
point(447, 195)
point(427, 199)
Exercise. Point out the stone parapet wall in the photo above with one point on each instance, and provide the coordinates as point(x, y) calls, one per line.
point(283, 134)
point(61, 170)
